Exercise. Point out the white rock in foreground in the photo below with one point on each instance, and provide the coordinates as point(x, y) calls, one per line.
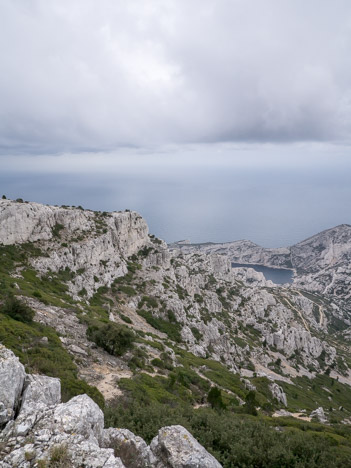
point(12, 376)
point(175, 447)
point(131, 449)
point(75, 430)
point(40, 390)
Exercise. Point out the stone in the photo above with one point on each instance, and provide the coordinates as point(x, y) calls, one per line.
point(12, 376)
point(319, 414)
point(40, 390)
point(131, 449)
point(175, 447)
point(278, 393)
point(80, 415)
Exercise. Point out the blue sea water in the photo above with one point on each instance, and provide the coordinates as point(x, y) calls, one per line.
point(202, 199)
point(276, 275)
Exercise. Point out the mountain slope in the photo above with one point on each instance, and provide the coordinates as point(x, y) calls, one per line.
point(157, 325)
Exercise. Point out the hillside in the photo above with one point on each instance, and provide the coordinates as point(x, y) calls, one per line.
point(160, 336)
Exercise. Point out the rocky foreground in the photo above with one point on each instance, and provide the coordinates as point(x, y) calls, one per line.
point(38, 430)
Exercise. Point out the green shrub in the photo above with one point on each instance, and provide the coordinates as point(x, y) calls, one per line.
point(172, 330)
point(151, 302)
point(236, 440)
point(17, 310)
point(125, 318)
point(197, 334)
point(128, 290)
point(250, 403)
point(214, 397)
point(56, 230)
point(114, 338)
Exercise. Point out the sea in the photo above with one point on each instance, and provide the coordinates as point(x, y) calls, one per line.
point(273, 201)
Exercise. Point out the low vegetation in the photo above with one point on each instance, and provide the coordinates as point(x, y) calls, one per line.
point(40, 350)
point(17, 309)
point(239, 440)
point(114, 338)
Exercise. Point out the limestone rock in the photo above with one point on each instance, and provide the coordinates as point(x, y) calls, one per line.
point(40, 390)
point(319, 414)
point(278, 393)
point(73, 432)
point(175, 447)
point(80, 415)
point(96, 245)
point(131, 449)
point(12, 376)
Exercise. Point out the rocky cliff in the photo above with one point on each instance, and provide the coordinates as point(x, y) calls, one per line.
point(92, 245)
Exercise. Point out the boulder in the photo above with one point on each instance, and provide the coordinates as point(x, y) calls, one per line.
point(319, 414)
point(131, 449)
point(80, 415)
point(175, 447)
point(12, 376)
point(40, 390)
point(278, 393)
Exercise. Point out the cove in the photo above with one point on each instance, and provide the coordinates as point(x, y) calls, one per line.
point(276, 275)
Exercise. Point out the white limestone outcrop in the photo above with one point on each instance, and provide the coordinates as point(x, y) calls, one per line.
point(175, 447)
point(12, 377)
point(73, 433)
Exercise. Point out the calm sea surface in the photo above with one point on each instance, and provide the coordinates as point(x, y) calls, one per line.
point(271, 205)
point(276, 275)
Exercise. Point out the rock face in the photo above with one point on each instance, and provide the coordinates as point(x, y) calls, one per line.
point(72, 434)
point(91, 244)
point(242, 251)
point(175, 447)
point(40, 390)
point(12, 376)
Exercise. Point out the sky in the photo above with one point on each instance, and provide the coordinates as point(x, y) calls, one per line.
point(107, 87)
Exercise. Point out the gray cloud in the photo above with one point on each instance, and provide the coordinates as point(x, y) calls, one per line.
point(81, 75)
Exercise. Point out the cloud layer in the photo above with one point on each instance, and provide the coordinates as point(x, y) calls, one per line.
point(81, 75)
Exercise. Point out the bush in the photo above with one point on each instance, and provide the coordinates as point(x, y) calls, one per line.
point(172, 330)
point(17, 310)
point(114, 338)
point(235, 440)
point(125, 318)
point(151, 302)
point(56, 230)
point(214, 397)
point(251, 403)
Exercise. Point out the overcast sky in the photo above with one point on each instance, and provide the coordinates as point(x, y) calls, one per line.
point(94, 76)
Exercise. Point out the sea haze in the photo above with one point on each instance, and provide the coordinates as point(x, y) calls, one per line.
point(274, 197)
